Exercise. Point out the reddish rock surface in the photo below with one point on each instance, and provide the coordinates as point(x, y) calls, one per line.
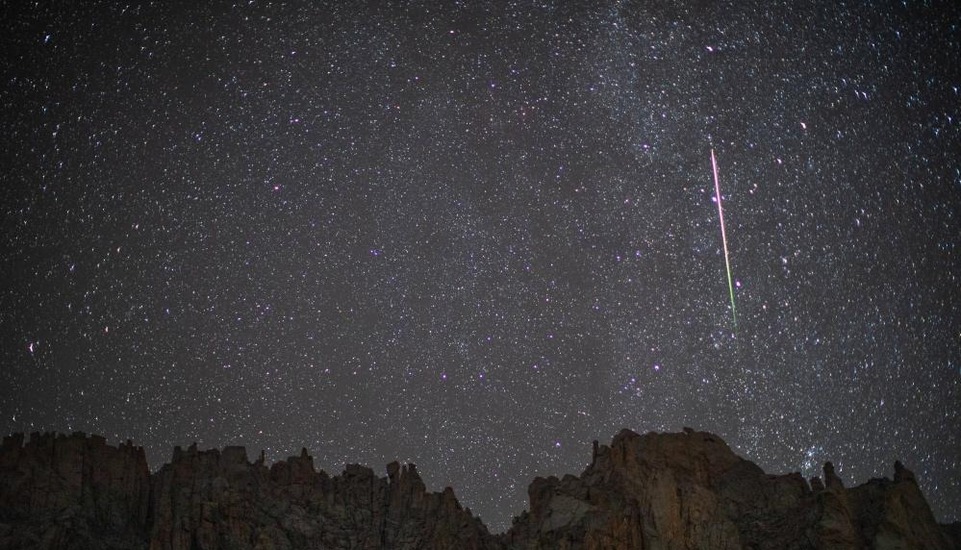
point(216, 499)
point(665, 491)
point(689, 490)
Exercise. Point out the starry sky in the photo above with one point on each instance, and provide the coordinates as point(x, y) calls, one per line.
point(478, 235)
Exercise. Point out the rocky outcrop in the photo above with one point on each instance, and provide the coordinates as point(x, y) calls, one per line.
point(689, 490)
point(72, 492)
point(216, 499)
point(655, 491)
point(953, 532)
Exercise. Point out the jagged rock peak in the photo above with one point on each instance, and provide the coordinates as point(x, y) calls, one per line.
point(903, 474)
point(689, 490)
point(234, 504)
point(676, 490)
point(60, 491)
point(831, 479)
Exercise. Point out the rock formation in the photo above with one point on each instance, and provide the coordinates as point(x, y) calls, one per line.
point(72, 492)
point(670, 491)
point(214, 499)
point(689, 490)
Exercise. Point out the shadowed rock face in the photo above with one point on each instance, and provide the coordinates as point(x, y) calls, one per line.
point(78, 492)
point(215, 499)
point(72, 492)
point(689, 490)
point(671, 491)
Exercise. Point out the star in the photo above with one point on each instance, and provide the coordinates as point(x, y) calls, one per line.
point(481, 238)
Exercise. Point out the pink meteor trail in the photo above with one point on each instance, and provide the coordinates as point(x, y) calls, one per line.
point(727, 259)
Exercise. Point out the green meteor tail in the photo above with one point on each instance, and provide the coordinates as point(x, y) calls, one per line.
point(727, 257)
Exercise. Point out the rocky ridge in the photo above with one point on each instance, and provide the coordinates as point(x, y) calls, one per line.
point(673, 491)
point(689, 490)
point(72, 492)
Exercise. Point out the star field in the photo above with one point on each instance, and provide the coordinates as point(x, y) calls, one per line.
point(477, 236)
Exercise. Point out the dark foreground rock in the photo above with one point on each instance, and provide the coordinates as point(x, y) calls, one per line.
point(670, 491)
point(689, 490)
point(72, 492)
point(216, 499)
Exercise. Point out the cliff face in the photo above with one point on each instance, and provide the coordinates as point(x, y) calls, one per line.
point(72, 492)
point(215, 499)
point(670, 491)
point(689, 490)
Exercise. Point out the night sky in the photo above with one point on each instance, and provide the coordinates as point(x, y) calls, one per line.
point(478, 235)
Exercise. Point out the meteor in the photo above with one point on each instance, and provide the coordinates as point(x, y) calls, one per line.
point(727, 258)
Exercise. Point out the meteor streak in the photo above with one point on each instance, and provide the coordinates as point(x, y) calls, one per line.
point(727, 258)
